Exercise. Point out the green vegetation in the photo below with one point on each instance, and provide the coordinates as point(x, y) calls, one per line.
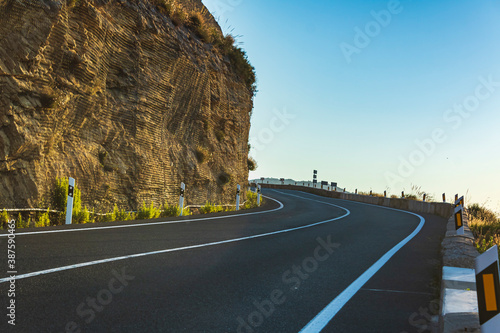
point(84, 215)
point(148, 212)
point(211, 208)
point(4, 219)
point(43, 220)
point(252, 164)
point(21, 222)
point(485, 225)
point(195, 21)
point(252, 200)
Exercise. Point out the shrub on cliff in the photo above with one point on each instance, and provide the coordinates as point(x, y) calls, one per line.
point(252, 164)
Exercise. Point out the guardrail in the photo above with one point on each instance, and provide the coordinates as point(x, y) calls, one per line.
point(437, 208)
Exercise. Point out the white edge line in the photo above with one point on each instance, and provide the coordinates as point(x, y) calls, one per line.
point(146, 224)
point(326, 315)
point(102, 261)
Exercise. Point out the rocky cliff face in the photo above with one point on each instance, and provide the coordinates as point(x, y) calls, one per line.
point(115, 95)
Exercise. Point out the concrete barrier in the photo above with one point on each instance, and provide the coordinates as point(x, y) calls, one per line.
point(435, 208)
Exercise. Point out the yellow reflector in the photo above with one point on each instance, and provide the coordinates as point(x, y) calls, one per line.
point(489, 292)
point(459, 219)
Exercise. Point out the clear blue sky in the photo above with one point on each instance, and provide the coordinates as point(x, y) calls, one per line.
point(362, 92)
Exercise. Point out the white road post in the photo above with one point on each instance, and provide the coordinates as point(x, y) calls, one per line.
point(181, 198)
point(69, 204)
point(238, 197)
point(488, 290)
point(258, 195)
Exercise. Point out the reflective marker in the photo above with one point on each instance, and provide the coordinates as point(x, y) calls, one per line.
point(489, 292)
point(69, 203)
point(181, 199)
point(459, 220)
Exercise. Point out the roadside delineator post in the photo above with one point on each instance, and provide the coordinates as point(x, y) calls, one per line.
point(459, 220)
point(488, 290)
point(444, 197)
point(258, 195)
point(385, 194)
point(402, 194)
point(456, 197)
point(238, 197)
point(356, 191)
point(423, 199)
point(181, 198)
point(69, 203)
point(371, 192)
point(344, 189)
point(460, 201)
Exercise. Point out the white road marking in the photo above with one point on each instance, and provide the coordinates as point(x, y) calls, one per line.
point(146, 224)
point(326, 315)
point(102, 261)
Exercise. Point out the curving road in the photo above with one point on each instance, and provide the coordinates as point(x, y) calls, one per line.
point(300, 263)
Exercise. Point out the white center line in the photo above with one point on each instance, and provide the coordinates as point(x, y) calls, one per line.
point(318, 323)
point(102, 261)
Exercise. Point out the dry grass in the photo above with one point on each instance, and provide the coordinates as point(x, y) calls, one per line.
point(485, 225)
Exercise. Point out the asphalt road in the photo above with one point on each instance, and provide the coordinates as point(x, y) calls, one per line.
point(268, 270)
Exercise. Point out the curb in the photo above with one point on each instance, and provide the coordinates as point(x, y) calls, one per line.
point(458, 288)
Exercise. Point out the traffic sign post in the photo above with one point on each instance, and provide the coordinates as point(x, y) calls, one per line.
point(181, 198)
point(459, 220)
point(238, 197)
point(488, 290)
point(258, 195)
point(69, 203)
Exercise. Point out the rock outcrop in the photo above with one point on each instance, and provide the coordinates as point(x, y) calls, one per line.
point(114, 94)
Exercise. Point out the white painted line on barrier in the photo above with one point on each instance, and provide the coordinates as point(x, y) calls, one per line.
point(326, 315)
point(147, 224)
point(102, 261)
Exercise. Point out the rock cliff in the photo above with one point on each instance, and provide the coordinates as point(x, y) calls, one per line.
point(120, 97)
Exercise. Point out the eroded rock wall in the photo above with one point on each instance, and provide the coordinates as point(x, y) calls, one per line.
point(115, 95)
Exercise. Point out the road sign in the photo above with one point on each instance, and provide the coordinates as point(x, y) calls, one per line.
point(69, 203)
point(460, 202)
point(459, 220)
point(258, 194)
point(181, 198)
point(238, 197)
point(488, 290)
